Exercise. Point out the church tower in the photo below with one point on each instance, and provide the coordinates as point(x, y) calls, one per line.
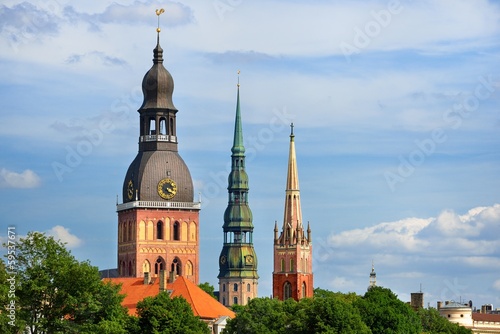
point(373, 278)
point(158, 221)
point(292, 275)
point(238, 277)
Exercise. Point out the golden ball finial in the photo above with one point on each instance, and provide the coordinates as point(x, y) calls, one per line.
point(158, 29)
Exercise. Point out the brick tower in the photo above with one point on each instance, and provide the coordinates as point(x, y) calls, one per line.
point(292, 275)
point(238, 277)
point(158, 221)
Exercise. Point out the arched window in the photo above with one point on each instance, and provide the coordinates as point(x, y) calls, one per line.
point(152, 126)
point(130, 231)
point(223, 288)
point(235, 300)
point(291, 265)
point(129, 268)
point(248, 287)
point(287, 290)
point(189, 268)
point(159, 265)
point(248, 300)
point(176, 267)
point(282, 265)
point(177, 232)
point(163, 126)
point(235, 287)
point(224, 301)
point(159, 230)
point(304, 290)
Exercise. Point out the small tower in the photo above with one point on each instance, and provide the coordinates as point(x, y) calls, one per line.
point(238, 277)
point(373, 277)
point(292, 275)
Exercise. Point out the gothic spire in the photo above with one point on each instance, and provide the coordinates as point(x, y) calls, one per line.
point(238, 148)
point(293, 212)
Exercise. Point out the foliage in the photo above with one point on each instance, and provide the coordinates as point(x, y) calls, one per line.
point(208, 288)
point(58, 294)
point(384, 313)
point(165, 315)
point(434, 323)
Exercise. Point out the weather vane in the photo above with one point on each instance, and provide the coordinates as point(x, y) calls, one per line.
point(239, 78)
point(158, 13)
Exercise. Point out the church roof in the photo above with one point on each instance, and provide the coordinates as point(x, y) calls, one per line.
point(202, 304)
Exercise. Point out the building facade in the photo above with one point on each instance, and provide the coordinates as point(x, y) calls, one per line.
point(238, 278)
point(292, 274)
point(158, 220)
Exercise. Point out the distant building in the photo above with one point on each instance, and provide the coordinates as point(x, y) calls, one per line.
point(479, 323)
point(417, 300)
point(292, 275)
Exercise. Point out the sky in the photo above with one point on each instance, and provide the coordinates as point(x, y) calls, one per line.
point(396, 113)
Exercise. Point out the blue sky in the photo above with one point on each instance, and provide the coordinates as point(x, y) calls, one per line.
point(396, 113)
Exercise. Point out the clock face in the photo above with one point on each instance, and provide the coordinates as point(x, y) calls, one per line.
point(167, 188)
point(249, 259)
point(222, 259)
point(130, 189)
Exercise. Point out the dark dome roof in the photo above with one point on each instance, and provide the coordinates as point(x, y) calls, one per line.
point(149, 168)
point(158, 84)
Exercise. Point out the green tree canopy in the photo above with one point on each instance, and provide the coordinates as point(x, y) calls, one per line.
point(164, 315)
point(384, 313)
point(58, 294)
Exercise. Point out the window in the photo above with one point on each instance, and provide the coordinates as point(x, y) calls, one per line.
point(223, 289)
point(235, 300)
point(224, 301)
point(159, 230)
point(304, 290)
point(282, 264)
point(287, 290)
point(235, 287)
point(159, 265)
point(248, 287)
point(291, 264)
point(175, 267)
point(177, 234)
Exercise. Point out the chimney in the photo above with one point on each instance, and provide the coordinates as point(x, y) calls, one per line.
point(172, 277)
point(163, 280)
point(147, 279)
point(439, 304)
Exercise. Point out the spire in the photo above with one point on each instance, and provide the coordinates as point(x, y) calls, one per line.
point(238, 148)
point(293, 212)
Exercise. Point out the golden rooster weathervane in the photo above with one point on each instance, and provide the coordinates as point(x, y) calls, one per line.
point(158, 13)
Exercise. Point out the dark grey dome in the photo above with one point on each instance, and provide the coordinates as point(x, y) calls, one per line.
point(149, 168)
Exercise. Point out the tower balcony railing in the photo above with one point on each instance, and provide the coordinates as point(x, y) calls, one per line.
point(158, 205)
point(148, 138)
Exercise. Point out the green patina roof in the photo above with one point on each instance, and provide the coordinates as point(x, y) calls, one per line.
point(238, 148)
point(236, 264)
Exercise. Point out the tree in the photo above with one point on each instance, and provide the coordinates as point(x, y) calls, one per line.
point(384, 313)
point(58, 294)
point(434, 323)
point(164, 315)
point(208, 288)
point(264, 315)
point(332, 313)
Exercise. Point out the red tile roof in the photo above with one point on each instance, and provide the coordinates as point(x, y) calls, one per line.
point(202, 304)
point(486, 317)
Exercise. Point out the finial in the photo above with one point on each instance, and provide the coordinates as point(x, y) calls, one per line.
point(291, 126)
point(158, 13)
point(239, 78)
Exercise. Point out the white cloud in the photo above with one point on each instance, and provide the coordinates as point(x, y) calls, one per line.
point(63, 234)
point(341, 283)
point(496, 285)
point(26, 179)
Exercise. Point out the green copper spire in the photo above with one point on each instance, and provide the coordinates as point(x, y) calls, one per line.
point(238, 147)
point(238, 261)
